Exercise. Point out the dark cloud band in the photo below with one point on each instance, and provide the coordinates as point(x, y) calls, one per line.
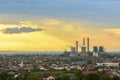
point(16, 30)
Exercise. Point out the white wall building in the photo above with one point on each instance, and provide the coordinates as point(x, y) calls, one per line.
point(108, 64)
point(49, 78)
point(95, 54)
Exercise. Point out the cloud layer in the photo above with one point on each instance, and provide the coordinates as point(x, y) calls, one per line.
point(54, 32)
point(16, 30)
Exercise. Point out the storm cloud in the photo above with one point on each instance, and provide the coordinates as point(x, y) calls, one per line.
point(16, 30)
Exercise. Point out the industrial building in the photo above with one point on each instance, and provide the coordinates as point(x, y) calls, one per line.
point(101, 49)
point(85, 49)
point(73, 52)
point(95, 48)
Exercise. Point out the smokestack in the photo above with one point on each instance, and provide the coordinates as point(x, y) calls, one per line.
point(88, 44)
point(77, 46)
point(83, 41)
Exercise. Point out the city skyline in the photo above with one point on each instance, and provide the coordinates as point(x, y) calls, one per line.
point(28, 25)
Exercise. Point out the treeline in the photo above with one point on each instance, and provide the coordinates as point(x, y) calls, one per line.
point(67, 75)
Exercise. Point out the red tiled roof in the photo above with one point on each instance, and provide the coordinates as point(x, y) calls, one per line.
point(89, 72)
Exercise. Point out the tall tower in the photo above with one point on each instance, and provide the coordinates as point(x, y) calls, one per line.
point(77, 46)
point(88, 44)
point(83, 41)
point(83, 47)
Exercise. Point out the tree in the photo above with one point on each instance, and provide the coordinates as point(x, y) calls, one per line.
point(58, 78)
point(102, 73)
point(11, 78)
point(20, 77)
point(105, 78)
point(78, 73)
point(24, 75)
point(93, 77)
point(5, 76)
point(65, 77)
point(116, 78)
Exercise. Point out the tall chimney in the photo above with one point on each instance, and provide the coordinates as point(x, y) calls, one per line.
point(83, 41)
point(77, 46)
point(88, 44)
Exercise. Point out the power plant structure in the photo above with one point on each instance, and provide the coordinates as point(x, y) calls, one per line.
point(73, 52)
point(85, 49)
point(84, 41)
point(101, 49)
point(76, 46)
point(73, 49)
point(95, 48)
point(98, 49)
point(95, 51)
point(88, 44)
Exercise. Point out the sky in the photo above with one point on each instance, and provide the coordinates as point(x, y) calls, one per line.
point(55, 25)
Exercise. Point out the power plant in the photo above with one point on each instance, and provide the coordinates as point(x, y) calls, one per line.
point(85, 49)
point(73, 49)
point(88, 44)
point(95, 48)
point(76, 46)
point(101, 49)
point(84, 41)
point(98, 49)
point(73, 52)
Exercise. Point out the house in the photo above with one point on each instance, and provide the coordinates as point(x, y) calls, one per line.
point(49, 78)
point(45, 68)
point(108, 64)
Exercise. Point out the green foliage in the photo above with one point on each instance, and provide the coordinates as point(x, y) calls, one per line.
point(20, 77)
point(116, 78)
point(68, 75)
point(5, 76)
point(102, 73)
point(35, 77)
point(92, 77)
point(78, 74)
point(58, 78)
point(65, 77)
point(105, 78)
